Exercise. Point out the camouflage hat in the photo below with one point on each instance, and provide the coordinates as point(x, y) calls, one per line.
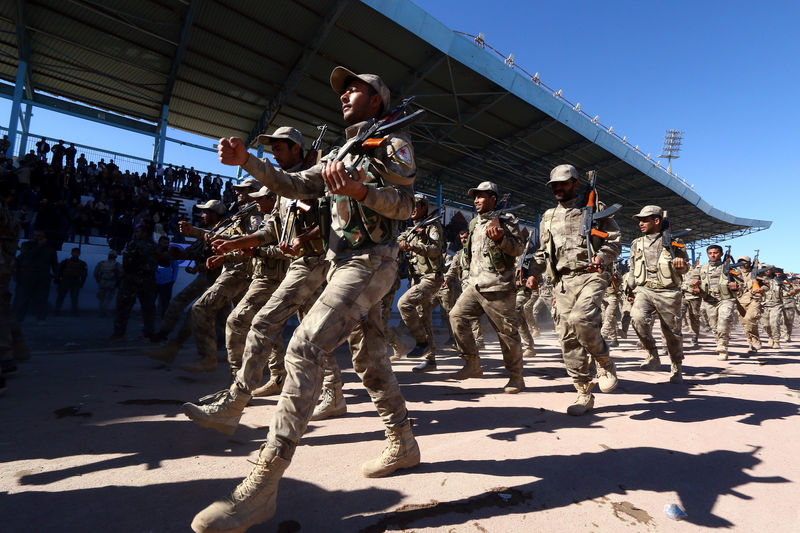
point(487, 186)
point(249, 183)
point(340, 76)
point(419, 197)
point(649, 211)
point(744, 258)
point(284, 133)
point(213, 205)
point(563, 173)
point(261, 193)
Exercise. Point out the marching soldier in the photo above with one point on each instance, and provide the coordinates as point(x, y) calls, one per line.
point(773, 306)
point(423, 247)
point(718, 302)
point(749, 294)
point(493, 244)
point(459, 270)
point(656, 268)
point(138, 281)
point(108, 275)
point(579, 283)
point(690, 308)
point(362, 249)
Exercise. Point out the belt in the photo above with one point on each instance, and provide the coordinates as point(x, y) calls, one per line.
point(653, 285)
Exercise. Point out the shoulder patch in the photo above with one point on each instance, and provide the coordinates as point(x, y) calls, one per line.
point(403, 154)
point(434, 233)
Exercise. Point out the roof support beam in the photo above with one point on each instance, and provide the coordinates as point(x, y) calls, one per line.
point(291, 82)
point(24, 48)
point(160, 142)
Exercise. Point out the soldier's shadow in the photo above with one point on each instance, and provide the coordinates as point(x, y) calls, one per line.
point(699, 481)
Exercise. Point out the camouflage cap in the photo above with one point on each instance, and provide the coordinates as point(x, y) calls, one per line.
point(744, 258)
point(419, 197)
point(249, 183)
point(340, 76)
point(213, 205)
point(649, 211)
point(261, 193)
point(487, 186)
point(563, 173)
point(284, 133)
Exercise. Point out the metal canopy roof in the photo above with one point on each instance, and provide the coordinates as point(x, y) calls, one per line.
point(239, 67)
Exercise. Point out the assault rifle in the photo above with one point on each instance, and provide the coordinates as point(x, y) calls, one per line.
point(729, 269)
point(668, 237)
point(591, 215)
point(754, 271)
point(376, 131)
point(531, 245)
point(229, 222)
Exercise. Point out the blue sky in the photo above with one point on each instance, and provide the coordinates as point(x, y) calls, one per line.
point(727, 73)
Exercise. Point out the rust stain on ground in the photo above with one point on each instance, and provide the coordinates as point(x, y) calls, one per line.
point(640, 515)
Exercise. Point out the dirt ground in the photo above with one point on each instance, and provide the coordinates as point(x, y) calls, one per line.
point(94, 440)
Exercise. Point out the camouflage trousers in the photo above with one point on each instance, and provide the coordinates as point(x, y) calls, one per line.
point(476, 322)
point(143, 288)
point(579, 309)
point(719, 314)
point(666, 304)
point(625, 311)
point(446, 297)
point(524, 317)
point(386, 313)
point(416, 309)
point(690, 311)
point(749, 314)
point(238, 323)
point(105, 297)
point(499, 307)
point(788, 315)
point(228, 287)
point(611, 314)
point(348, 309)
point(263, 346)
point(771, 319)
point(179, 302)
point(535, 305)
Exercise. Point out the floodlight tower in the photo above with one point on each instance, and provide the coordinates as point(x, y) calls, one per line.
point(672, 147)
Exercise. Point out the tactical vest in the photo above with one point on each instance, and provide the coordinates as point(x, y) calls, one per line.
point(355, 223)
point(499, 260)
point(721, 292)
point(420, 265)
point(665, 274)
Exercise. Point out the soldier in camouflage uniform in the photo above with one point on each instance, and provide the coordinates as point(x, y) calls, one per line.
point(394, 341)
point(690, 308)
point(656, 269)
point(718, 301)
point(459, 272)
point(611, 308)
point(362, 250)
point(527, 282)
point(12, 344)
point(772, 306)
point(423, 248)
point(446, 296)
point(493, 244)
point(748, 294)
point(108, 275)
point(228, 287)
point(788, 309)
point(138, 281)
point(579, 284)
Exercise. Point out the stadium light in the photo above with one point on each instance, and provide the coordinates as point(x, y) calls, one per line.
point(672, 147)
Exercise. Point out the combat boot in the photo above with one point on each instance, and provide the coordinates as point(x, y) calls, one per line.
point(471, 368)
point(585, 400)
point(399, 349)
point(223, 414)
point(722, 351)
point(515, 384)
point(536, 333)
point(676, 374)
point(252, 501)
point(653, 362)
point(530, 351)
point(401, 451)
point(419, 350)
point(695, 342)
point(607, 376)
point(206, 364)
point(425, 366)
point(273, 386)
point(332, 403)
point(165, 354)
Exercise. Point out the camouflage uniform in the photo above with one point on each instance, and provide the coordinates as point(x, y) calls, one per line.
point(656, 284)
point(138, 281)
point(490, 288)
point(789, 308)
point(425, 272)
point(578, 293)
point(718, 303)
point(446, 296)
point(690, 307)
point(773, 310)
point(749, 308)
point(611, 309)
point(349, 307)
point(524, 307)
point(459, 270)
point(108, 275)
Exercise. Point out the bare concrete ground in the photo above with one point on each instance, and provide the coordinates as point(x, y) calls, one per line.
point(93, 440)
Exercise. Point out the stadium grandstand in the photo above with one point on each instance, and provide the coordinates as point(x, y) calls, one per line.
point(219, 68)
